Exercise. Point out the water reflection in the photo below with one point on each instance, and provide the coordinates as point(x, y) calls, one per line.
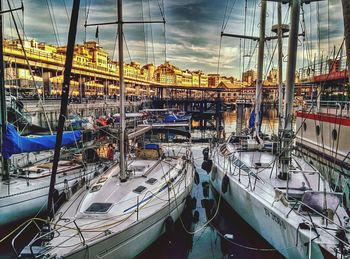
point(269, 123)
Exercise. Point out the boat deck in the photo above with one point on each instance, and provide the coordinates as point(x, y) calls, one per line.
point(300, 199)
point(112, 207)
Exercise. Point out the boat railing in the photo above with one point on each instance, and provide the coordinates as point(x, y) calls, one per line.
point(323, 67)
point(133, 206)
point(26, 226)
point(338, 108)
point(294, 204)
point(298, 203)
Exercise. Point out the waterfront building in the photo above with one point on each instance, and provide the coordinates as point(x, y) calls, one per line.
point(213, 80)
point(186, 78)
point(166, 74)
point(148, 72)
point(203, 78)
point(249, 76)
point(234, 87)
point(99, 56)
point(195, 78)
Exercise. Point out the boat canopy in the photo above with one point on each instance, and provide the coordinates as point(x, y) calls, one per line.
point(13, 143)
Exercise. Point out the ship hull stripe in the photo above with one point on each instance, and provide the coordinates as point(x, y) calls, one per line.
point(325, 118)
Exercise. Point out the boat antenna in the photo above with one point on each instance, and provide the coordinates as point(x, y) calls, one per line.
point(64, 101)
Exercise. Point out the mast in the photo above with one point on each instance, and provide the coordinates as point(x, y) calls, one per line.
point(3, 113)
point(346, 15)
point(64, 100)
point(287, 134)
point(258, 91)
point(122, 165)
point(280, 67)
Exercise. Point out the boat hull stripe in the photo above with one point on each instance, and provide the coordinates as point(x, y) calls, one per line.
point(325, 118)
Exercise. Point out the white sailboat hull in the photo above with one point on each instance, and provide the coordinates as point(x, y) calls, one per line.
point(274, 227)
point(133, 240)
point(20, 200)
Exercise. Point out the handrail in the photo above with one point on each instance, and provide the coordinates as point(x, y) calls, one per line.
point(19, 233)
point(298, 203)
point(323, 216)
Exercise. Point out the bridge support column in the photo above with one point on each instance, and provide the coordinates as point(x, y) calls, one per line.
point(81, 88)
point(46, 82)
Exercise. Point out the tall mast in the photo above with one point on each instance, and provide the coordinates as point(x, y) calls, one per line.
point(346, 15)
point(280, 67)
point(260, 67)
point(64, 100)
point(289, 92)
point(3, 113)
point(122, 165)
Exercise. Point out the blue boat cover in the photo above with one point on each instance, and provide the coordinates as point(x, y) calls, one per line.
point(152, 146)
point(252, 119)
point(15, 144)
point(170, 118)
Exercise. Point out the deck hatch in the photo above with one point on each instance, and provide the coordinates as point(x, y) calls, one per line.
point(151, 181)
point(139, 189)
point(98, 207)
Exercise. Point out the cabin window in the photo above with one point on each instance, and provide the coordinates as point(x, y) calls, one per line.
point(318, 130)
point(334, 134)
point(304, 126)
point(99, 207)
point(139, 189)
point(151, 181)
point(96, 188)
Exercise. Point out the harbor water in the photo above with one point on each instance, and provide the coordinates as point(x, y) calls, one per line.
point(218, 232)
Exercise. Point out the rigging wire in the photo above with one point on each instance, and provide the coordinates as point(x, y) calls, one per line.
point(151, 28)
point(252, 30)
point(65, 8)
point(53, 22)
point(145, 40)
point(162, 13)
point(229, 15)
point(29, 66)
point(245, 31)
point(127, 48)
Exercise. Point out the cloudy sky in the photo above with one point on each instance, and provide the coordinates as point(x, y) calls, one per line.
point(192, 30)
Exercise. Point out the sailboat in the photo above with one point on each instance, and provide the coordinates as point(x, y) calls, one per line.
point(280, 195)
point(324, 121)
point(23, 190)
point(128, 207)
